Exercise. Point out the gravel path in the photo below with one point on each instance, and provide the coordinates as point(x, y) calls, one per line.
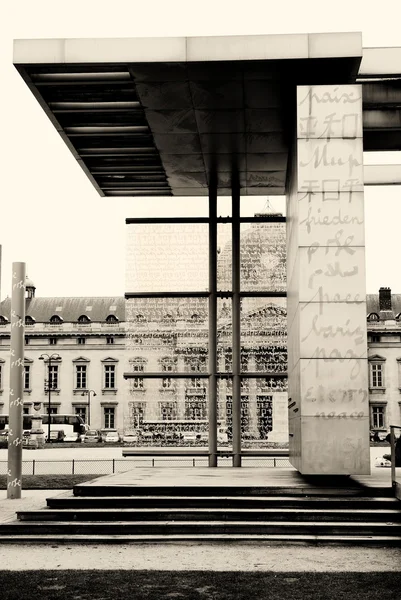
point(188, 557)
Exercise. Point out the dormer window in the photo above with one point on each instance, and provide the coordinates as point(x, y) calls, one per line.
point(111, 319)
point(398, 317)
point(3, 320)
point(29, 320)
point(373, 317)
point(56, 319)
point(140, 318)
point(84, 319)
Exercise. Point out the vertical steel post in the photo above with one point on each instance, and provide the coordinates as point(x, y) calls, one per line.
point(213, 323)
point(236, 320)
point(392, 443)
point(49, 385)
point(16, 401)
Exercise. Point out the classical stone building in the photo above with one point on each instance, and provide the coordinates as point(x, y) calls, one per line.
point(384, 358)
point(86, 338)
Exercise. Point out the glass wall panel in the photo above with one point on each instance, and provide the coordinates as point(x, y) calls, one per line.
point(168, 411)
point(263, 411)
point(167, 257)
point(264, 335)
point(224, 334)
point(224, 257)
point(263, 257)
point(168, 328)
point(252, 205)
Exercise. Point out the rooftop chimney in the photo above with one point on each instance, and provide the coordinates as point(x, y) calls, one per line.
point(385, 298)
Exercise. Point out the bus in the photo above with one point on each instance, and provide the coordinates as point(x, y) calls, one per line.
point(73, 426)
point(180, 431)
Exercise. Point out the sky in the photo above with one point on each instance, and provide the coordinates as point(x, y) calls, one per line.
point(71, 239)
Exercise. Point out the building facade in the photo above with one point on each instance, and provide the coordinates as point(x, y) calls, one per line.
point(93, 341)
point(85, 340)
point(384, 359)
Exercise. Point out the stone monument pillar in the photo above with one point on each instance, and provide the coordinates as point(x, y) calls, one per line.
point(327, 341)
point(37, 432)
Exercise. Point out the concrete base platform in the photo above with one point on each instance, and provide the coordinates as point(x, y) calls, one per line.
point(244, 479)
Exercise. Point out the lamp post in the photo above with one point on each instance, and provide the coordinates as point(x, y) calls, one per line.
point(89, 392)
point(49, 386)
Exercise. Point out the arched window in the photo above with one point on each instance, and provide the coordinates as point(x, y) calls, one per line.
point(111, 319)
point(29, 320)
point(373, 317)
point(84, 319)
point(56, 319)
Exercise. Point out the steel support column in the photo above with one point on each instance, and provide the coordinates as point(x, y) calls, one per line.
point(236, 320)
point(212, 324)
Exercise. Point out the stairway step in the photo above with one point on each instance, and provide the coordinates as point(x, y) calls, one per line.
point(269, 540)
point(206, 514)
point(209, 527)
point(93, 489)
point(68, 500)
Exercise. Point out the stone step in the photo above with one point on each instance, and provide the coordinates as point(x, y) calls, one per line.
point(290, 528)
point(213, 514)
point(261, 540)
point(155, 501)
point(101, 489)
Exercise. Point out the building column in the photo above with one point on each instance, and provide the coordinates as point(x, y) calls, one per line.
point(327, 340)
point(236, 321)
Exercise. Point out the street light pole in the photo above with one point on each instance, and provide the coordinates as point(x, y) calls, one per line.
point(89, 402)
point(49, 386)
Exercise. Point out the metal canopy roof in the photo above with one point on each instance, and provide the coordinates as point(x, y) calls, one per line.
point(220, 107)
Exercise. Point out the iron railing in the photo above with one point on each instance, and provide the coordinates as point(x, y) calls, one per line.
point(120, 465)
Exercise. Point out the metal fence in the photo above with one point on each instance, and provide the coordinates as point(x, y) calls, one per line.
point(121, 465)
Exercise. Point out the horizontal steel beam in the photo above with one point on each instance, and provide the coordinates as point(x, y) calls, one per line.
point(202, 375)
point(382, 174)
point(380, 62)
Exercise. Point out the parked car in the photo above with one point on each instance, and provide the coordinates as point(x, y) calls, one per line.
point(74, 437)
point(4, 438)
point(112, 437)
point(189, 436)
point(130, 437)
point(91, 436)
point(103, 433)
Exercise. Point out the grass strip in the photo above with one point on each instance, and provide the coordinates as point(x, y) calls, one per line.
point(49, 482)
point(198, 585)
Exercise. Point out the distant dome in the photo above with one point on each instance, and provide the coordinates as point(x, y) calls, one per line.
point(30, 288)
point(29, 283)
